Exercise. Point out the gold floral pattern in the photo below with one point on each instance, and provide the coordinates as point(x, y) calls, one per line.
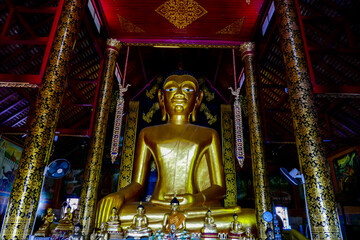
point(88, 198)
point(260, 179)
point(228, 155)
point(127, 26)
point(211, 118)
point(26, 190)
point(233, 28)
point(181, 13)
point(147, 117)
point(129, 144)
point(320, 196)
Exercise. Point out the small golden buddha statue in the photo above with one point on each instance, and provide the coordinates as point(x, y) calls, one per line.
point(236, 230)
point(44, 230)
point(114, 226)
point(77, 233)
point(139, 227)
point(66, 222)
point(102, 235)
point(248, 235)
point(175, 220)
point(188, 160)
point(209, 231)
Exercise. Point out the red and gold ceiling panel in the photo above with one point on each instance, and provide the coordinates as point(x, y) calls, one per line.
point(181, 21)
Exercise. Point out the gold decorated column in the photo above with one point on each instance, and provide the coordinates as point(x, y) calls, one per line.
point(260, 180)
point(89, 189)
point(25, 194)
point(319, 190)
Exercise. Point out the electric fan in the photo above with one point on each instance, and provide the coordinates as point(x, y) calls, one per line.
point(57, 169)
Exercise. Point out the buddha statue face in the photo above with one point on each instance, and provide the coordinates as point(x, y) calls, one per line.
point(140, 210)
point(49, 211)
point(179, 98)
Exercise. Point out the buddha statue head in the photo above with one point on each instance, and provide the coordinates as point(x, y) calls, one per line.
point(180, 98)
point(140, 209)
point(174, 204)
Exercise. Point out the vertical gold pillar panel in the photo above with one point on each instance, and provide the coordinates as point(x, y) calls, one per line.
point(260, 179)
point(26, 190)
point(320, 195)
point(129, 144)
point(228, 155)
point(94, 161)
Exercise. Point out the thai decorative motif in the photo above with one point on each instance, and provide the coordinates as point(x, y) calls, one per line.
point(25, 193)
point(18, 84)
point(260, 180)
point(153, 91)
point(181, 13)
point(207, 94)
point(320, 196)
point(127, 26)
point(88, 197)
point(228, 155)
point(117, 123)
point(184, 44)
point(239, 139)
point(128, 148)
point(148, 116)
point(211, 118)
point(234, 28)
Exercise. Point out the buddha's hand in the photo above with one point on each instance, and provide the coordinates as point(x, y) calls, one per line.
point(105, 206)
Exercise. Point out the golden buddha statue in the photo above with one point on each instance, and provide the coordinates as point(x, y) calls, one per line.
point(44, 230)
point(66, 222)
point(209, 231)
point(77, 233)
point(175, 221)
point(188, 160)
point(139, 227)
point(102, 235)
point(248, 235)
point(114, 226)
point(236, 230)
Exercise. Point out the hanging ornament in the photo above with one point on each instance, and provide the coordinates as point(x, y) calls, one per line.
point(117, 123)
point(239, 140)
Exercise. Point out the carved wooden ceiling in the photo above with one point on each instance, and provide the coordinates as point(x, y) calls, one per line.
point(331, 30)
point(181, 21)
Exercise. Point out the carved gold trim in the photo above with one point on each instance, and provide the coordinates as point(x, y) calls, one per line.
point(233, 28)
point(114, 44)
point(18, 84)
point(127, 26)
point(181, 45)
point(247, 49)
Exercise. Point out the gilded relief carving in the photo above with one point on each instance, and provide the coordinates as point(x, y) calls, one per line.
point(148, 116)
point(181, 13)
point(233, 28)
point(127, 26)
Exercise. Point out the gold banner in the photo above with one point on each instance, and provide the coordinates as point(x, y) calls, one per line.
point(129, 144)
point(228, 155)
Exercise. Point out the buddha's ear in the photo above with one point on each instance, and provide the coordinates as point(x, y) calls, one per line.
point(197, 105)
point(162, 105)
